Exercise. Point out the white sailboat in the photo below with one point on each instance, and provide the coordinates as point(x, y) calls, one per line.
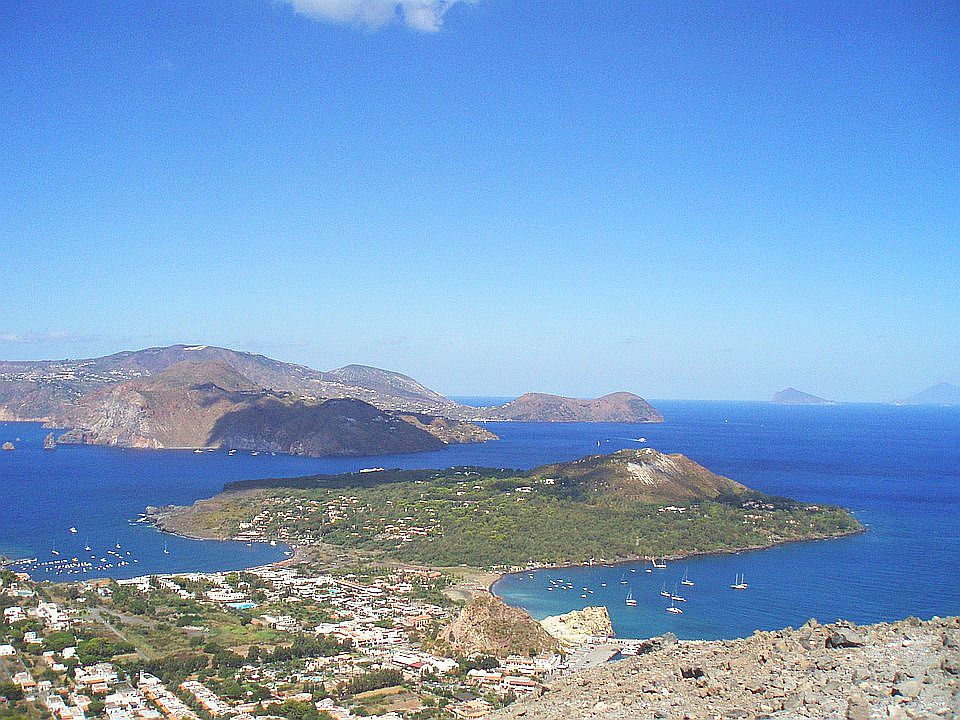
point(673, 609)
point(663, 591)
point(623, 579)
point(676, 597)
point(739, 583)
point(631, 601)
point(686, 581)
point(166, 550)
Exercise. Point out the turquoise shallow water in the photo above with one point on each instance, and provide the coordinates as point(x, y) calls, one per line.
point(897, 468)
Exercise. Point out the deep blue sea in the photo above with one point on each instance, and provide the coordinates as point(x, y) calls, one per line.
point(897, 468)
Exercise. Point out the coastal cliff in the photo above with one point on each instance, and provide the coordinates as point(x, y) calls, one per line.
point(190, 405)
point(576, 627)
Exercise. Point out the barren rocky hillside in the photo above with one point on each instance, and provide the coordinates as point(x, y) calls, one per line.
point(906, 669)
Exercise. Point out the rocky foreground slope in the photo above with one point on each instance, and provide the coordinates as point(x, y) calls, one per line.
point(906, 669)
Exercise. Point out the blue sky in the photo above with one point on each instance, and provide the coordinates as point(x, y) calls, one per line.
point(710, 201)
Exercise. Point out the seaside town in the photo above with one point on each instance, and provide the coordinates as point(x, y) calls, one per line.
point(280, 641)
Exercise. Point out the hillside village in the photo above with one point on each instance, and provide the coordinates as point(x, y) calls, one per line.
point(273, 642)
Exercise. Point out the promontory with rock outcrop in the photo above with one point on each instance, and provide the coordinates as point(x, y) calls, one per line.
point(629, 504)
point(204, 396)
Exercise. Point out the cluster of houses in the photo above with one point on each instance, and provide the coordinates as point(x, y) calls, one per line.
point(279, 514)
point(53, 617)
point(380, 616)
point(381, 619)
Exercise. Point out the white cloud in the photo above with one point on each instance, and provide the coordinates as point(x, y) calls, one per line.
point(35, 338)
point(420, 15)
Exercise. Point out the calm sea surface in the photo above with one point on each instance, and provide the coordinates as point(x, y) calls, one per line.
point(897, 468)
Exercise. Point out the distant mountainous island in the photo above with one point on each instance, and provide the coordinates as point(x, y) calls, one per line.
point(792, 396)
point(621, 407)
point(939, 394)
point(624, 505)
point(197, 396)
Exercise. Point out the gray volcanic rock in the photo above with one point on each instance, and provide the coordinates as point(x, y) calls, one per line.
point(574, 628)
point(898, 672)
point(619, 407)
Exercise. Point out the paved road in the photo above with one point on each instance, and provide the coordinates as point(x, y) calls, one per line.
point(98, 616)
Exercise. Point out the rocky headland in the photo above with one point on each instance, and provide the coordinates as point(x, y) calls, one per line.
point(902, 670)
point(576, 627)
point(488, 626)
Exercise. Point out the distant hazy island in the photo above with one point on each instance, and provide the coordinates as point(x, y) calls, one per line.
point(792, 396)
point(621, 407)
point(632, 503)
point(199, 396)
point(939, 394)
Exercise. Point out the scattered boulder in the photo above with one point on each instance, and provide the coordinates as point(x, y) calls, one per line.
point(907, 688)
point(843, 637)
point(849, 672)
point(858, 709)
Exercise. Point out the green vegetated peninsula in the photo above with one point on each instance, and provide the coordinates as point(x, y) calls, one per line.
point(629, 504)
